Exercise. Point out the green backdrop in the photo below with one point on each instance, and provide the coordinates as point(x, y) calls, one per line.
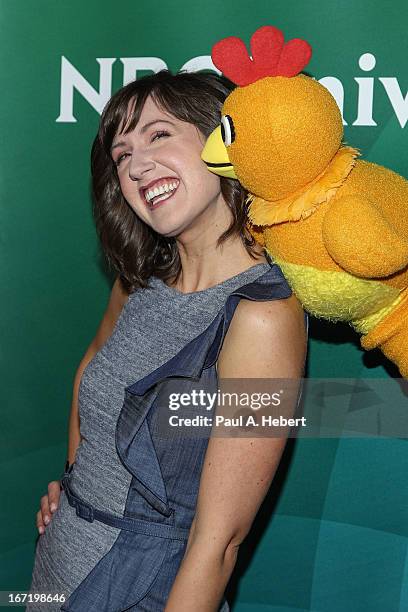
point(332, 535)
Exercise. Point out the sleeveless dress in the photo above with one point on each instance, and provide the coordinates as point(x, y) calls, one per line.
point(119, 534)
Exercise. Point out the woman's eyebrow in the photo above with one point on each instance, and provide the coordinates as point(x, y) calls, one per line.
point(143, 130)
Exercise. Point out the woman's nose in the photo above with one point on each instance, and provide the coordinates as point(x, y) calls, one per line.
point(139, 165)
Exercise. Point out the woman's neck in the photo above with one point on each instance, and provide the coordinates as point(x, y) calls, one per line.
point(210, 265)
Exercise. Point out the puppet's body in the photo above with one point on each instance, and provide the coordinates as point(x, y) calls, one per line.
point(336, 225)
point(376, 305)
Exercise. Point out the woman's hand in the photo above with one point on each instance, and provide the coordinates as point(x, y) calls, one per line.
point(49, 504)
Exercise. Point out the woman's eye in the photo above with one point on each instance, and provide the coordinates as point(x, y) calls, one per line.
point(156, 135)
point(159, 134)
point(120, 158)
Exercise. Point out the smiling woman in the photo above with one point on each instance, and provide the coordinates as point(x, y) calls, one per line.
point(155, 129)
point(173, 157)
point(148, 522)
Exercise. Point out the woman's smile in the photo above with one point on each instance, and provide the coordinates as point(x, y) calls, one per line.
point(160, 200)
point(159, 192)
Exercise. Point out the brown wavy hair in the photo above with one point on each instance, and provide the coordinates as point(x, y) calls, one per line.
point(132, 248)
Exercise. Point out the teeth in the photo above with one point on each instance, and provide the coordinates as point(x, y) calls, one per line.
point(152, 193)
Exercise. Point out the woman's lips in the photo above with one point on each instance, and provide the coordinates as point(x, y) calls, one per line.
point(162, 199)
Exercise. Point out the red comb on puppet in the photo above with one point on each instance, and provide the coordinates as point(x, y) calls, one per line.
point(271, 56)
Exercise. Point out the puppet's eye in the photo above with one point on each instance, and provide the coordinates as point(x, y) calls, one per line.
point(227, 130)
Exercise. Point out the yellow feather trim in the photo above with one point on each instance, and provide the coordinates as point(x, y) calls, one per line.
point(305, 201)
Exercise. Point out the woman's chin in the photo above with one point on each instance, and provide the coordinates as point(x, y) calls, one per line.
point(172, 227)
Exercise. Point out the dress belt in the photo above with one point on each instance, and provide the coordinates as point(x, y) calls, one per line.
point(90, 514)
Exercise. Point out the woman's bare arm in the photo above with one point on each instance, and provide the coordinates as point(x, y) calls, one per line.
point(49, 501)
point(270, 340)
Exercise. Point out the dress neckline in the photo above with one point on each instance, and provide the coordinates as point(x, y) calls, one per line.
point(228, 281)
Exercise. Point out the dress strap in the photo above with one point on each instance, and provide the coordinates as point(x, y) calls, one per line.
point(202, 351)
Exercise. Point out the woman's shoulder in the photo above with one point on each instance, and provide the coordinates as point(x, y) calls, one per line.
point(268, 314)
point(265, 338)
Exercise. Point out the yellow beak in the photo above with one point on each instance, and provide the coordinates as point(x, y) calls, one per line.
point(215, 155)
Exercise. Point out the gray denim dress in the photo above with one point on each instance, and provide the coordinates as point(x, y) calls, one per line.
point(139, 567)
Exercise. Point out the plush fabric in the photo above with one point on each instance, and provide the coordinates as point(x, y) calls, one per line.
point(336, 225)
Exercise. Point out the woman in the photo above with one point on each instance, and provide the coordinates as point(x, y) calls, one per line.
point(175, 234)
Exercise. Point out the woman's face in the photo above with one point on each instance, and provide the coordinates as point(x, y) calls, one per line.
point(163, 153)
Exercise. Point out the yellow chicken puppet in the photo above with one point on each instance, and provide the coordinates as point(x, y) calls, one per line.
point(336, 225)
